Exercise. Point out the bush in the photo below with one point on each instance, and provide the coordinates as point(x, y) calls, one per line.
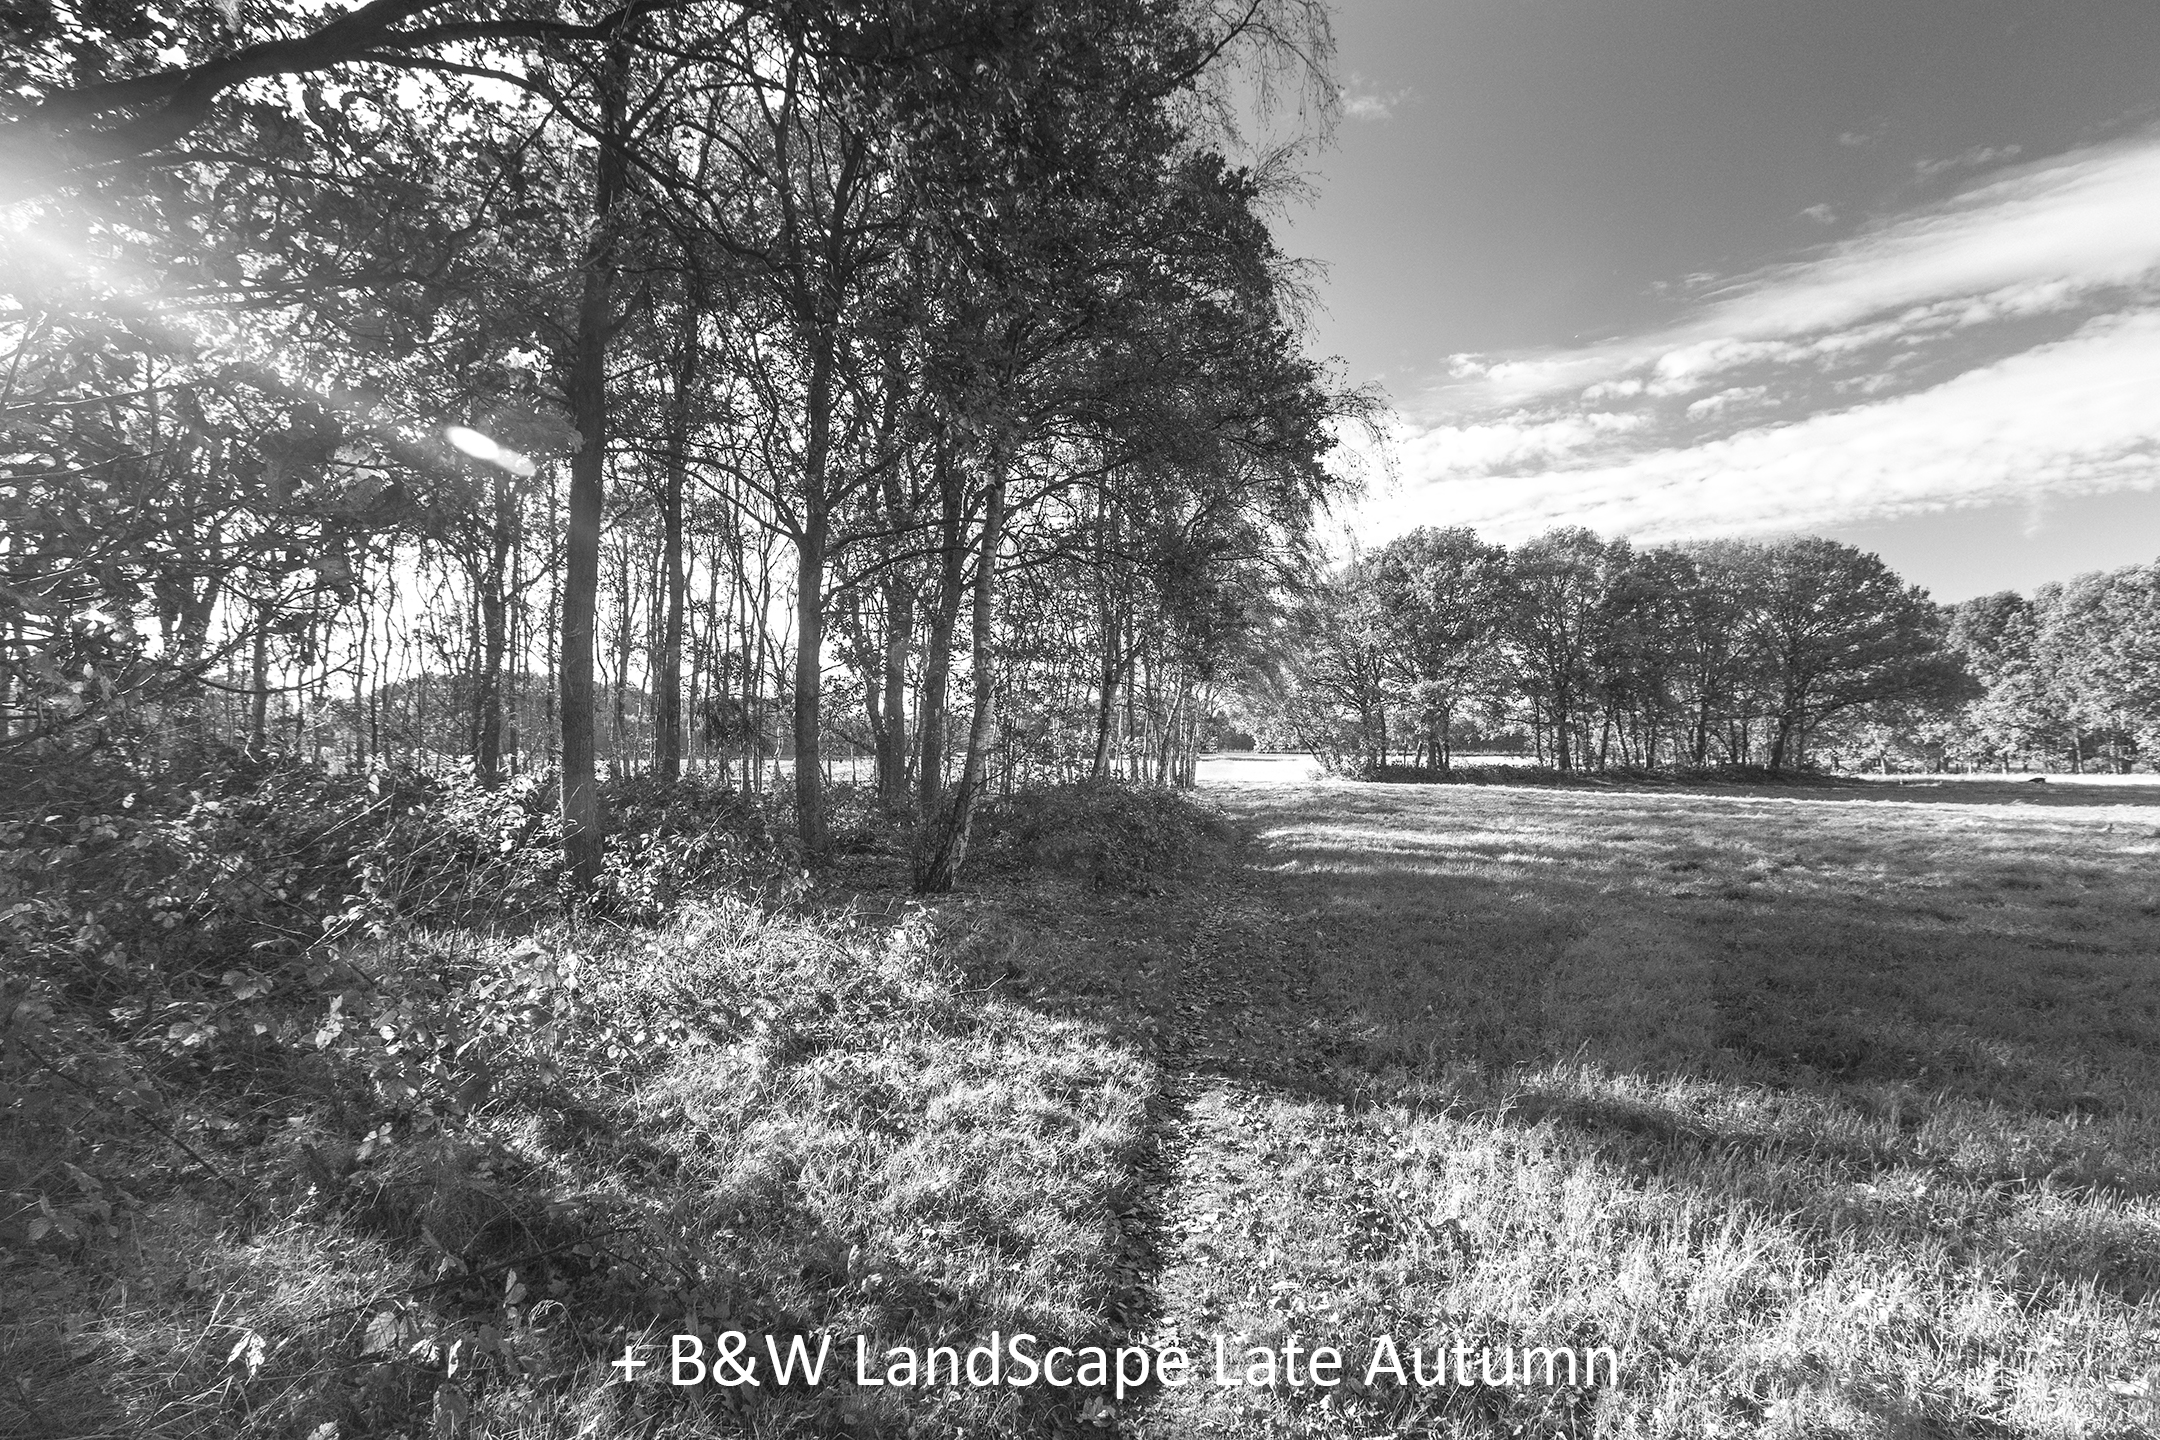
point(1120, 836)
point(155, 927)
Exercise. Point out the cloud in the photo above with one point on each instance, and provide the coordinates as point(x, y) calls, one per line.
point(1511, 442)
point(1853, 139)
point(1718, 404)
point(2056, 232)
point(1820, 214)
point(1362, 100)
point(2003, 343)
point(1979, 157)
point(2072, 416)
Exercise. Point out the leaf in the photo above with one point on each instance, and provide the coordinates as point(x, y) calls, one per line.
point(451, 1411)
point(248, 1353)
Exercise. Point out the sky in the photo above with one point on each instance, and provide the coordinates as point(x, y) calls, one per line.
point(1882, 270)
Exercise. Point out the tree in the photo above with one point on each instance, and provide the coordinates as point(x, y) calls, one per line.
point(1998, 639)
point(1833, 628)
point(1442, 593)
point(1556, 586)
point(2099, 646)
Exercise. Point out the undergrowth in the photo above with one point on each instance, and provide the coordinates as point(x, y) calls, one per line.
point(1114, 835)
point(320, 1117)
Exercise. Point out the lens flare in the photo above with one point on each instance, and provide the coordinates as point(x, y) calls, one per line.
point(481, 447)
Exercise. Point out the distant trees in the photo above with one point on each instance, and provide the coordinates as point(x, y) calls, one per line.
point(2070, 677)
point(1591, 653)
point(1600, 653)
point(1439, 596)
point(1557, 597)
point(1831, 629)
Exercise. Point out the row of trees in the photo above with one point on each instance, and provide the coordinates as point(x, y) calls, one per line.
point(1590, 653)
point(659, 381)
point(2071, 678)
point(1603, 654)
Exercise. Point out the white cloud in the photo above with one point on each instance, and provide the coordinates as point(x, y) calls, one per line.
point(1979, 157)
point(2040, 237)
point(1362, 100)
point(2071, 416)
point(1711, 406)
point(1820, 214)
point(1510, 441)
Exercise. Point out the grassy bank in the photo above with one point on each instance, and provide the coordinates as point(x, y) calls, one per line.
point(432, 1178)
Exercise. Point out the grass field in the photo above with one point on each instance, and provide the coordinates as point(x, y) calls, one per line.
point(1837, 1114)
point(1834, 1111)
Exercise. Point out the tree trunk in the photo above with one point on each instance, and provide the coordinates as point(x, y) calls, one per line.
point(936, 870)
point(930, 709)
point(892, 738)
point(668, 664)
point(1781, 742)
point(810, 680)
point(258, 741)
point(494, 642)
point(1112, 640)
point(1106, 707)
point(810, 543)
point(581, 807)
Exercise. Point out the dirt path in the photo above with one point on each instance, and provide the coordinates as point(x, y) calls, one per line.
point(1245, 1032)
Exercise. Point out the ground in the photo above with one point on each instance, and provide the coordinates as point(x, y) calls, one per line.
point(1832, 1110)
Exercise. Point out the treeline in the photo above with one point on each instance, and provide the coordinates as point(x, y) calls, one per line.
point(2071, 679)
point(1591, 654)
point(649, 385)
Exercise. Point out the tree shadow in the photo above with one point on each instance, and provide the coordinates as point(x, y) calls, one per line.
point(1695, 995)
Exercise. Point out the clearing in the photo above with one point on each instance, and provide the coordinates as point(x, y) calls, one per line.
point(1836, 1111)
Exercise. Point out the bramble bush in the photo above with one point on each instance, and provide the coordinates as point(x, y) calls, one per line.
point(1120, 836)
point(351, 1016)
point(257, 915)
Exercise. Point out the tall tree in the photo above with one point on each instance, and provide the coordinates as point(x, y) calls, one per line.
point(1442, 593)
point(1834, 628)
point(1556, 588)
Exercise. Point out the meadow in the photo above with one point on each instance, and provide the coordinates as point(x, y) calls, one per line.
point(1833, 1109)
point(1836, 1110)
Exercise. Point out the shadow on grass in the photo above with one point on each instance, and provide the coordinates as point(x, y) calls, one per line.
point(1754, 782)
point(1866, 1022)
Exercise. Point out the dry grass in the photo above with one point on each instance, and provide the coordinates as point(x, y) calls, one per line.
point(817, 1127)
point(1839, 1114)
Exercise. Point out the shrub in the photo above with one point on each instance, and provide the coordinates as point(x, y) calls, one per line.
point(1120, 836)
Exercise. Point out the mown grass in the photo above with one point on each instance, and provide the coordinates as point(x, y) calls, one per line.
point(1838, 1116)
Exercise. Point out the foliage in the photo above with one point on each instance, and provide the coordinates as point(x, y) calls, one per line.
point(160, 921)
point(1602, 655)
point(2068, 675)
point(1116, 835)
point(405, 1155)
